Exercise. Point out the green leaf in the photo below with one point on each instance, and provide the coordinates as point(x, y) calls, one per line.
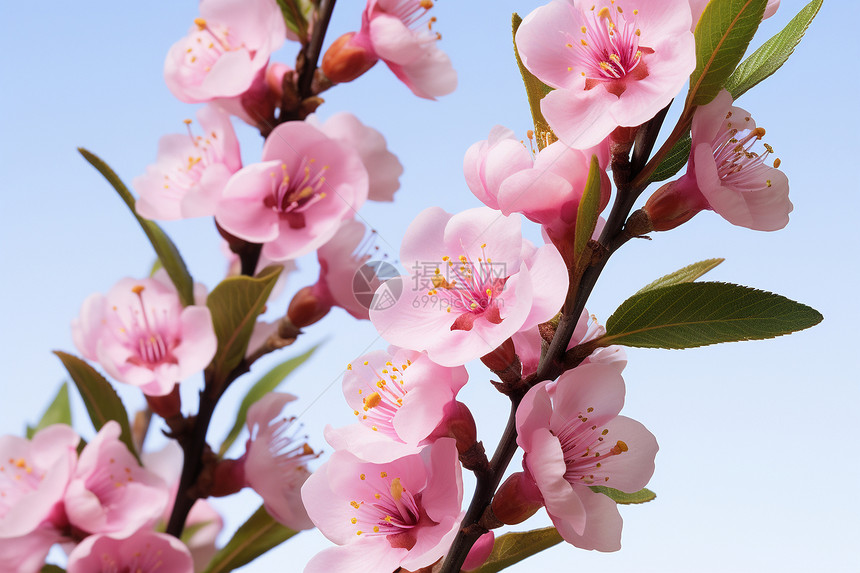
point(642, 496)
point(267, 383)
point(164, 247)
point(256, 536)
point(589, 208)
point(674, 161)
point(688, 315)
point(722, 36)
point(58, 412)
point(50, 568)
point(235, 305)
point(686, 275)
point(535, 91)
point(100, 398)
point(512, 548)
point(773, 53)
point(296, 15)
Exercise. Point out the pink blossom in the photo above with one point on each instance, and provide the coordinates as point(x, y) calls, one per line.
point(573, 438)
point(143, 551)
point(547, 188)
point(725, 174)
point(224, 49)
point(275, 461)
point(383, 167)
point(294, 200)
point(398, 397)
point(142, 336)
point(190, 170)
point(202, 520)
point(109, 492)
point(472, 284)
point(34, 475)
point(348, 253)
point(698, 6)
point(612, 63)
point(402, 513)
point(400, 33)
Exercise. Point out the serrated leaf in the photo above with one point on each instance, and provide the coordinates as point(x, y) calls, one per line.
point(674, 161)
point(535, 91)
point(685, 275)
point(644, 495)
point(773, 53)
point(589, 208)
point(689, 315)
point(267, 383)
point(102, 402)
point(512, 548)
point(58, 412)
point(164, 247)
point(256, 536)
point(235, 304)
point(722, 36)
point(296, 14)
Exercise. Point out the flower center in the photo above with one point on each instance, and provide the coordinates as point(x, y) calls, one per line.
point(382, 397)
point(292, 195)
point(471, 290)
point(17, 478)
point(146, 333)
point(607, 47)
point(390, 509)
point(189, 171)
point(207, 44)
point(737, 164)
point(288, 450)
point(585, 449)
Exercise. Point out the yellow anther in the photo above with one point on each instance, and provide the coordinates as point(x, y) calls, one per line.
point(137, 289)
point(201, 23)
point(371, 402)
point(362, 477)
point(383, 474)
point(777, 162)
point(426, 4)
point(396, 489)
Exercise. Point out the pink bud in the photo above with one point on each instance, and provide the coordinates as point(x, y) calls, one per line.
point(671, 206)
point(306, 308)
point(346, 59)
point(229, 477)
point(502, 358)
point(480, 551)
point(275, 78)
point(517, 499)
point(457, 423)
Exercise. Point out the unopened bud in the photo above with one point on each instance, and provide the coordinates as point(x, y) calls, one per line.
point(673, 204)
point(228, 478)
point(517, 499)
point(348, 58)
point(275, 74)
point(458, 423)
point(306, 308)
point(480, 552)
point(168, 406)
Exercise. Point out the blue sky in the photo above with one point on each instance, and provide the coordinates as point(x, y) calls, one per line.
point(758, 456)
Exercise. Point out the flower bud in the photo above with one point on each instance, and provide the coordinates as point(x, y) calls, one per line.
point(167, 406)
point(480, 551)
point(458, 423)
point(348, 58)
point(671, 205)
point(275, 78)
point(229, 477)
point(517, 499)
point(306, 308)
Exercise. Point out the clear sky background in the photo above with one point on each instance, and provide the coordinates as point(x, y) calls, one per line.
point(758, 463)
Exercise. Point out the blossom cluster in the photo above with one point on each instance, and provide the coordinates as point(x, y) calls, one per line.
point(390, 494)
